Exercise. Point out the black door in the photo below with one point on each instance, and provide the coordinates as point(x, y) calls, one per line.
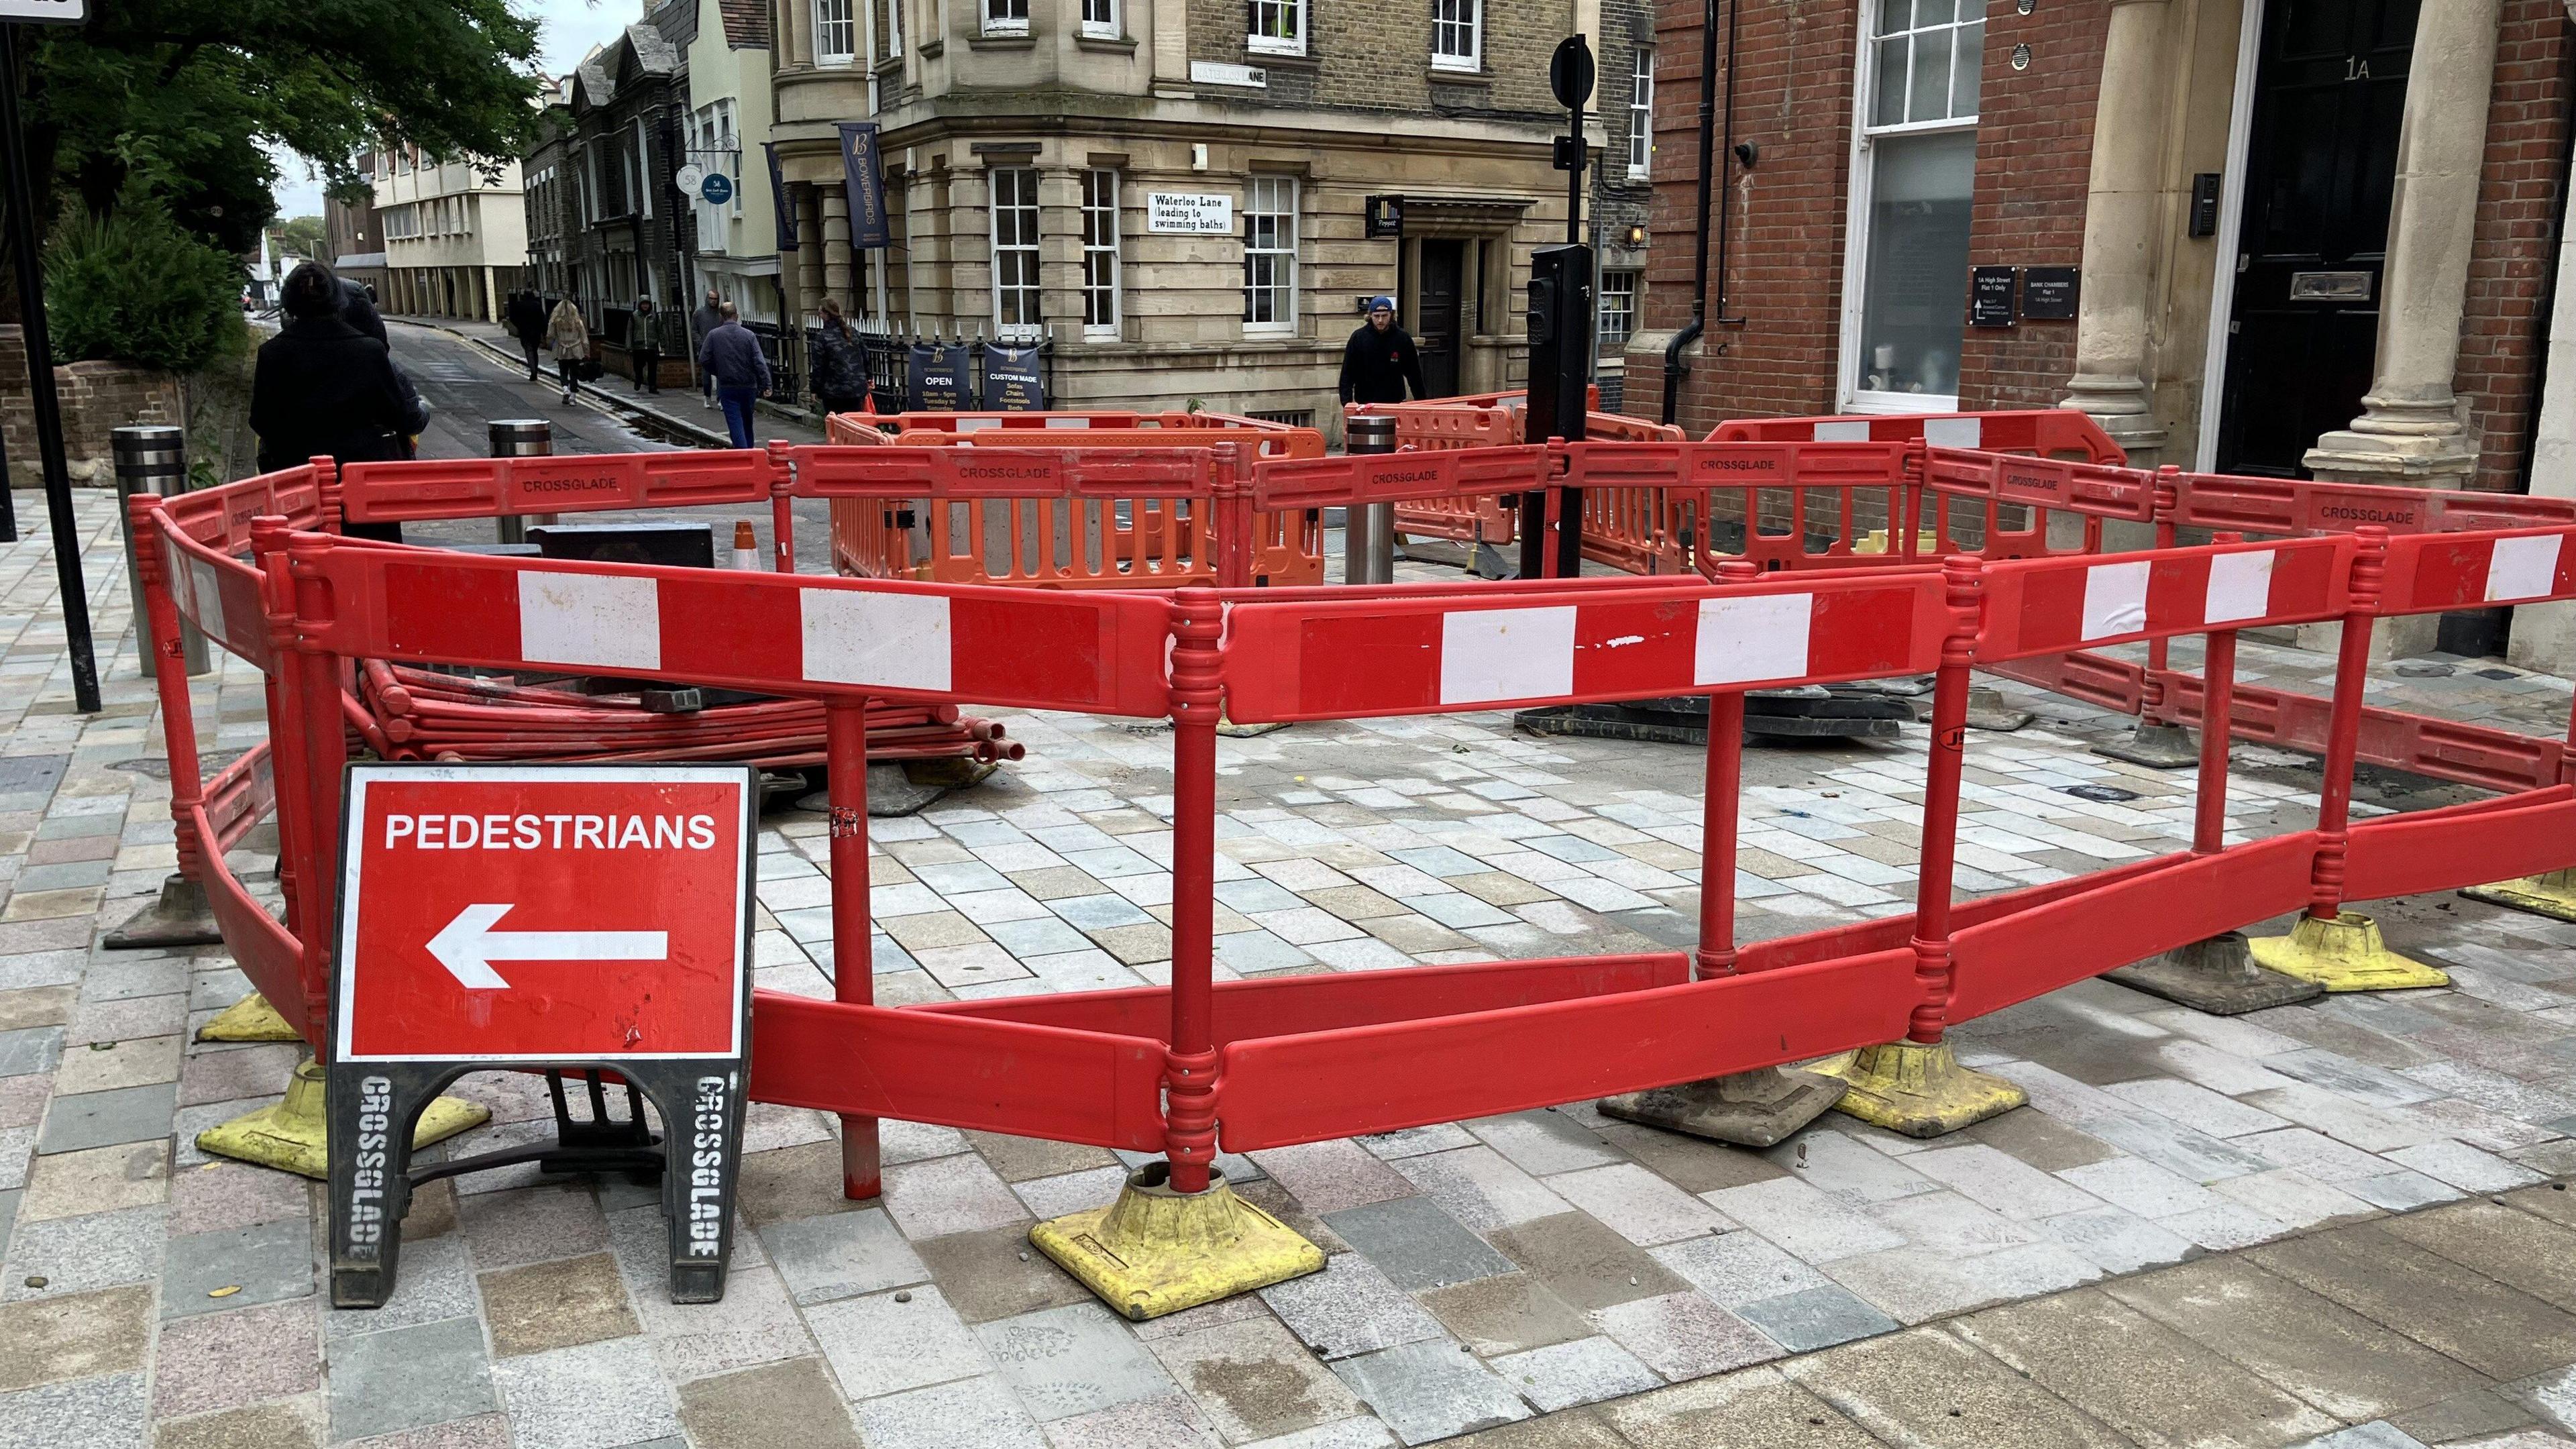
point(1436, 332)
point(2329, 96)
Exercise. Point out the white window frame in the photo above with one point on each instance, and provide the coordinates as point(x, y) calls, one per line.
point(836, 21)
point(1101, 20)
point(1641, 113)
point(1004, 24)
point(643, 171)
point(1865, 131)
point(1101, 305)
point(894, 29)
point(1448, 19)
point(1283, 286)
point(1635, 278)
point(1260, 41)
point(1024, 243)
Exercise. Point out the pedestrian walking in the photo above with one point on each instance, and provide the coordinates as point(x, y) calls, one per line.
point(1380, 359)
point(731, 355)
point(708, 317)
point(840, 364)
point(571, 338)
point(527, 318)
point(322, 388)
point(647, 349)
point(358, 309)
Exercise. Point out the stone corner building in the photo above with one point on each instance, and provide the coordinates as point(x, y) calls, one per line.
point(1039, 157)
point(2312, 238)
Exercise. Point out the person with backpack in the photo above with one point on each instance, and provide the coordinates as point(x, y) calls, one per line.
point(840, 363)
point(571, 338)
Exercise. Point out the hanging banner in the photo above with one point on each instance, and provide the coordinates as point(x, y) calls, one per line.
point(778, 198)
point(1014, 379)
point(935, 378)
point(866, 182)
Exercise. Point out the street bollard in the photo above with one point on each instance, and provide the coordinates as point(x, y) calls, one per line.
point(521, 438)
point(1368, 529)
point(152, 460)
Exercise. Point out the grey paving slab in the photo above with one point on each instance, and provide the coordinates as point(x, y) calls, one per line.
point(888, 1343)
point(406, 1378)
point(1350, 1308)
point(1417, 1244)
point(980, 1411)
point(262, 1264)
point(109, 1409)
point(1585, 1371)
point(1814, 1318)
point(2138, 1377)
point(2498, 1330)
point(1072, 1360)
point(1924, 1387)
point(57, 1256)
point(103, 1119)
point(2314, 1348)
point(595, 1396)
point(1429, 1391)
point(841, 1255)
point(1757, 1406)
point(1254, 1380)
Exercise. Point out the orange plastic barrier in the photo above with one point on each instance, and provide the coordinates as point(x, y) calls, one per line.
point(1088, 541)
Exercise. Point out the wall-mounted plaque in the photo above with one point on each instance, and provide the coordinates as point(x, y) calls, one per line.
point(1990, 296)
point(2048, 294)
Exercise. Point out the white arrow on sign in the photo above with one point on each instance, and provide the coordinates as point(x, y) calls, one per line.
point(467, 946)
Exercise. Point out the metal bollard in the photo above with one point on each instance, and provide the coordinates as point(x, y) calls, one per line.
point(521, 438)
point(1368, 529)
point(152, 460)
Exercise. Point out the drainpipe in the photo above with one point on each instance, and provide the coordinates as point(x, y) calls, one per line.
point(1690, 333)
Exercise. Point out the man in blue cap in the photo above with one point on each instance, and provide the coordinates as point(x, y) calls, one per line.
point(1380, 359)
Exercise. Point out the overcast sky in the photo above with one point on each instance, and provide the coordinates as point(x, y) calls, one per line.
point(569, 29)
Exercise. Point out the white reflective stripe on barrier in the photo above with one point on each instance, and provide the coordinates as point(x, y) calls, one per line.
point(895, 641)
point(2523, 568)
point(2240, 587)
point(608, 623)
point(1840, 433)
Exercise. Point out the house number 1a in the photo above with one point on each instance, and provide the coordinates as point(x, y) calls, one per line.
point(2355, 68)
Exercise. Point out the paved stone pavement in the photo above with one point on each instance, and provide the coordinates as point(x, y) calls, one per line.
point(2335, 1223)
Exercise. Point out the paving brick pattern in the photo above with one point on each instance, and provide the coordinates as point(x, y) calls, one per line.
point(2340, 1222)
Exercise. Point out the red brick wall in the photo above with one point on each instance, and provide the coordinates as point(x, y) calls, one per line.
point(2034, 159)
point(95, 397)
point(2518, 214)
point(1793, 99)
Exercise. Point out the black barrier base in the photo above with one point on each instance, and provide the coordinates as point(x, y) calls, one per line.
point(374, 1104)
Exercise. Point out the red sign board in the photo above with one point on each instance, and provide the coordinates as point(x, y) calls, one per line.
point(510, 913)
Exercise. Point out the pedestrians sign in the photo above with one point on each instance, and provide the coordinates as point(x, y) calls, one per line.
point(717, 188)
point(591, 918)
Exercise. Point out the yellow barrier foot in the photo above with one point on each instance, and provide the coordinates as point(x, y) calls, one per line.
point(291, 1135)
point(1156, 1251)
point(2344, 954)
point(2552, 895)
point(1749, 1109)
point(2217, 976)
point(2156, 746)
point(249, 1019)
point(1918, 1090)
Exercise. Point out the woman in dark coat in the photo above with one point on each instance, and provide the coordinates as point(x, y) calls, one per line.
point(324, 388)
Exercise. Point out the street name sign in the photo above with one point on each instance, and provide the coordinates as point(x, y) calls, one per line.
point(585, 917)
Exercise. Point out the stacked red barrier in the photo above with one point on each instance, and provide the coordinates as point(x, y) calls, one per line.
point(403, 713)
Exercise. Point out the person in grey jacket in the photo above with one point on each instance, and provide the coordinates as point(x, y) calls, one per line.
point(731, 355)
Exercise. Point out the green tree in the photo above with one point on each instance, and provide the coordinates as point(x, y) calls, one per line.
point(299, 236)
point(174, 100)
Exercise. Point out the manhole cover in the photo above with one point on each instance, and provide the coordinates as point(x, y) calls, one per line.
point(2099, 794)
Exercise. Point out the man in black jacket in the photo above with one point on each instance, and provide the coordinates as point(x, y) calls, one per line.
point(527, 318)
point(1380, 359)
point(322, 387)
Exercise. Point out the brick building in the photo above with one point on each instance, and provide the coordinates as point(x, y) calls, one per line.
point(353, 240)
point(627, 101)
point(1176, 192)
point(2284, 237)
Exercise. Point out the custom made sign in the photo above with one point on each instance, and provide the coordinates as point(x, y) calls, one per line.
point(2048, 294)
point(1014, 379)
point(1189, 213)
point(1990, 296)
point(589, 917)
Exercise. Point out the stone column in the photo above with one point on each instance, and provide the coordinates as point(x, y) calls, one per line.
point(2122, 226)
point(837, 272)
point(2410, 429)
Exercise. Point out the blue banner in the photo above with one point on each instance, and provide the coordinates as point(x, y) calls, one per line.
point(865, 179)
point(936, 378)
point(1014, 380)
point(779, 198)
